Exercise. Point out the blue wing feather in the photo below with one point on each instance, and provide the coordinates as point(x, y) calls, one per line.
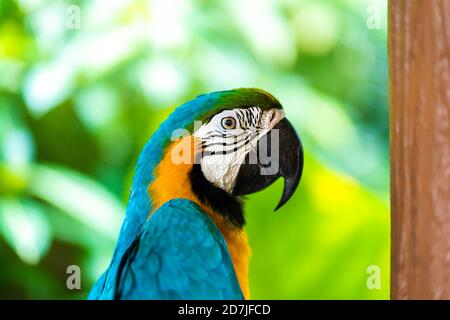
point(180, 254)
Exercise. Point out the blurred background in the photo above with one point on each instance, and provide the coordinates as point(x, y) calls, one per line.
point(83, 84)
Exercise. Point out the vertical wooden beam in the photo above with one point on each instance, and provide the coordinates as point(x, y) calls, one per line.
point(419, 72)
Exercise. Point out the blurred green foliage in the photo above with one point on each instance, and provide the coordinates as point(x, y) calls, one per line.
point(77, 105)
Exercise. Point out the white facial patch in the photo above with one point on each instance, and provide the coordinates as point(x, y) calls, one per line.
point(228, 137)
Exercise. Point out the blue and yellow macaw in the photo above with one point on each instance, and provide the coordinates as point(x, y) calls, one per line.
point(183, 237)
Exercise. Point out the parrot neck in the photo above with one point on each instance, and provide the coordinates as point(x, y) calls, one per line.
point(174, 180)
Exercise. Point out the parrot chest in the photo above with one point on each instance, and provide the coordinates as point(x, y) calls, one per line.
point(171, 182)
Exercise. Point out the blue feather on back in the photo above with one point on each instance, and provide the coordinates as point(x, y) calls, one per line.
point(181, 254)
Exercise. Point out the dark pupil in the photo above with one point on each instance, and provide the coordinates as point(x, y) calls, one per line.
point(228, 122)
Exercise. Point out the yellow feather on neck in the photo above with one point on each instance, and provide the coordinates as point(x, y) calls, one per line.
point(172, 181)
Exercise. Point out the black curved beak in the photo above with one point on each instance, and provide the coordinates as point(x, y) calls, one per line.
point(278, 154)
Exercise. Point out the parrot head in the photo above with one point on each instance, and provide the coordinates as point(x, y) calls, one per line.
point(233, 143)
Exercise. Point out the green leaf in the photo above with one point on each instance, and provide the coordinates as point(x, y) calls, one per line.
point(79, 196)
point(25, 228)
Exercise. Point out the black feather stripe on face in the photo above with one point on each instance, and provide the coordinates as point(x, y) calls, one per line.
point(235, 145)
point(219, 200)
point(248, 119)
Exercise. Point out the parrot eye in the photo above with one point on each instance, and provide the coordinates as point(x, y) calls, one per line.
point(229, 123)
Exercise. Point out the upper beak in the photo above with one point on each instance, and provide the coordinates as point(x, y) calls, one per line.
point(278, 154)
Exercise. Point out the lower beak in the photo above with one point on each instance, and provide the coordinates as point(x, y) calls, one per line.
point(278, 154)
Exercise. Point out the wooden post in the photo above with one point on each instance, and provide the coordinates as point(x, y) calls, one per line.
point(419, 67)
